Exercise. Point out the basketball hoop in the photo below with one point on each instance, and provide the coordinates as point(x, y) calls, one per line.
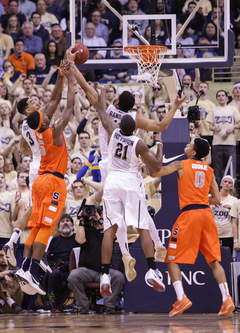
point(149, 59)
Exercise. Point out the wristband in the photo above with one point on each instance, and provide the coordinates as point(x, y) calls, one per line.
point(81, 223)
point(235, 241)
point(88, 164)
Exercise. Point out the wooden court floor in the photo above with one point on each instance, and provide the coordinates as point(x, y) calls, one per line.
point(121, 323)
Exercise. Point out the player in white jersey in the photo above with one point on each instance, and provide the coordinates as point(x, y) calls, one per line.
point(29, 145)
point(123, 201)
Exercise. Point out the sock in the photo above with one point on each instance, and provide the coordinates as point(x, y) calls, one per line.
point(105, 268)
point(26, 263)
point(14, 238)
point(10, 302)
point(178, 289)
point(122, 239)
point(154, 233)
point(2, 302)
point(151, 263)
point(224, 290)
point(34, 267)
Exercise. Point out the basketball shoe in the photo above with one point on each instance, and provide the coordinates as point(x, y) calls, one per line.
point(227, 307)
point(105, 285)
point(129, 263)
point(160, 254)
point(34, 283)
point(9, 255)
point(24, 284)
point(180, 306)
point(153, 278)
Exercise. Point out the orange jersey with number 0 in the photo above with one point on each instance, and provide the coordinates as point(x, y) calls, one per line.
point(194, 185)
point(53, 158)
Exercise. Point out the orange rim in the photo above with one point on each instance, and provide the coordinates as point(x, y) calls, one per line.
point(149, 53)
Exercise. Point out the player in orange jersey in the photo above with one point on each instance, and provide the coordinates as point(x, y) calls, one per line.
point(49, 189)
point(195, 229)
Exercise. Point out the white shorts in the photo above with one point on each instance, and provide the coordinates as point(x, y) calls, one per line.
point(103, 166)
point(33, 173)
point(124, 201)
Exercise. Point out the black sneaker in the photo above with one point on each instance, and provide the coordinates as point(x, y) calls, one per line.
point(1, 309)
point(16, 308)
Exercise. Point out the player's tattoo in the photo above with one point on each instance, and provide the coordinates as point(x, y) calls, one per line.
point(178, 164)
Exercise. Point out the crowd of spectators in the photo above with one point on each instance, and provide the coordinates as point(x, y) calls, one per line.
point(32, 44)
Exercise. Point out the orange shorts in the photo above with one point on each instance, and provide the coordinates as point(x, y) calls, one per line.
point(48, 194)
point(194, 230)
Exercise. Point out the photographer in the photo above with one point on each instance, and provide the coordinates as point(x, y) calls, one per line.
point(90, 236)
point(59, 255)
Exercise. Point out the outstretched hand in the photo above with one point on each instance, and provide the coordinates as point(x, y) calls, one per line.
point(178, 101)
point(63, 67)
point(70, 55)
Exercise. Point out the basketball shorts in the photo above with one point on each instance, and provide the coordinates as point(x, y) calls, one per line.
point(103, 166)
point(49, 194)
point(194, 230)
point(33, 173)
point(124, 199)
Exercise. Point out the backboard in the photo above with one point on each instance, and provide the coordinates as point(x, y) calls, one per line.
point(225, 60)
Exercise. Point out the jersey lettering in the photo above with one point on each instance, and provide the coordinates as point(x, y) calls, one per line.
point(121, 151)
point(41, 147)
point(31, 142)
point(56, 195)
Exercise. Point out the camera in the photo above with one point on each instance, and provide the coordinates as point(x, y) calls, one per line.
point(88, 211)
point(193, 113)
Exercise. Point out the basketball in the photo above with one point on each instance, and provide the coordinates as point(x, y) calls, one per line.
point(83, 54)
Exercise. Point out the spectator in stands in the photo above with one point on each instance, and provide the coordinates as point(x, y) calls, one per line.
point(234, 6)
point(58, 257)
point(214, 15)
point(200, 52)
point(160, 33)
point(184, 39)
point(82, 147)
point(54, 9)
point(92, 40)
point(51, 53)
point(42, 69)
point(5, 112)
point(27, 87)
point(205, 105)
point(10, 75)
point(161, 112)
point(6, 44)
point(221, 212)
point(205, 8)
point(33, 44)
point(11, 295)
point(177, 6)
point(114, 75)
point(134, 10)
point(195, 26)
point(76, 165)
point(235, 214)
point(236, 102)
point(90, 237)
point(101, 29)
point(155, 100)
point(131, 41)
point(22, 61)
point(13, 10)
point(107, 17)
point(59, 38)
point(210, 32)
point(111, 94)
point(46, 96)
point(39, 30)
point(27, 7)
point(47, 19)
point(13, 28)
point(223, 119)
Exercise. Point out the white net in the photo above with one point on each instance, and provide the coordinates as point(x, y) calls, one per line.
point(149, 59)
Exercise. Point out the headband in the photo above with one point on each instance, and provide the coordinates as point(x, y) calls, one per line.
point(40, 120)
point(236, 85)
point(228, 176)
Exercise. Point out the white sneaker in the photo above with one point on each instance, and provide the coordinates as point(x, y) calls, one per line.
point(45, 267)
point(129, 263)
point(34, 283)
point(9, 256)
point(160, 254)
point(105, 285)
point(153, 278)
point(24, 284)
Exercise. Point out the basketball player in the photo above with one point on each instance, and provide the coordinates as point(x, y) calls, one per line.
point(195, 229)
point(123, 198)
point(29, 145)
point(49, 189)
point(122, 105)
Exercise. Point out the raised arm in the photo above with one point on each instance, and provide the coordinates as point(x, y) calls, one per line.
point(24, 147)
point(168, 169)
point(107, 122)
point(67, 112)
point(215, 199)
point(89, 91)
point(156, 126)
point(153, 162)
point(57, 91)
